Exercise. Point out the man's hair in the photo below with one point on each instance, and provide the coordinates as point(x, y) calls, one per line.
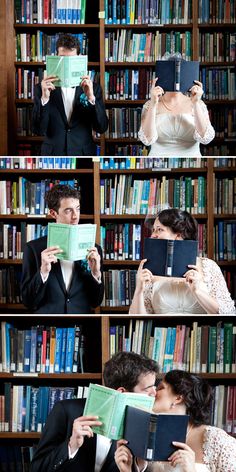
point(68, 41)
point(179, 221)
point(125, 368)
point(54, 196)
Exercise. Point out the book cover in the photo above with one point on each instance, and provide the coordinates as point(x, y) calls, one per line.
point(176, 76)
point(151, 435)
point(74, 240)
point(68, 69)
point(109, 405)
point(169, 258)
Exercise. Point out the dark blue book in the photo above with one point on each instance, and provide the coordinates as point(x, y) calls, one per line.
point(176, 75)
point(169, 258)
point(150, 436)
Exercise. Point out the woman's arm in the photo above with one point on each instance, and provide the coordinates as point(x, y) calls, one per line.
point(143, 276)
point(148, 132)
point(204, 131)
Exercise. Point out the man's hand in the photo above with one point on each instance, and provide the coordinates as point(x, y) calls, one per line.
point(94, 262)
point(47, 86)
point(123, 457)
point(87, 86)
point(81, 428)
point(48, 257)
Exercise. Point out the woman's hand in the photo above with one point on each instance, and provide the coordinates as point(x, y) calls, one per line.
point(185, 457)
point(193, 278)
point(156, 92)
point(196, 91)
point(143, 276)
point(123, 457)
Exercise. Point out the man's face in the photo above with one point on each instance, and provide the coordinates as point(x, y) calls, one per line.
point(66, 52)
point(68, 212)
point(146, 384)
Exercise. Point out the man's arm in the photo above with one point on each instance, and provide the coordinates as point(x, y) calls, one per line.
point(32, 286)
point(98, 112)
point(40, 114)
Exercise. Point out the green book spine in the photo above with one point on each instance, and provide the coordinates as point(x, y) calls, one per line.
point(228, 347)
point(212, 350)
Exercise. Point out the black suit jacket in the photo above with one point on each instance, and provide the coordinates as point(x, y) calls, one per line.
point(52, 297)
point(73, 138)
point(52, 452)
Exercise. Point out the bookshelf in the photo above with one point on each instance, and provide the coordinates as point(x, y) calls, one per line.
point(99, 330)
point(101, 28)
point(92, 180)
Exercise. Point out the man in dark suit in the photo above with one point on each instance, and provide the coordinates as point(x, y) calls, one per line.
point(68, 443)
point(52, 286)
point(67, 116)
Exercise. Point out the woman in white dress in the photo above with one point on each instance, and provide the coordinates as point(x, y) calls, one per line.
point(207, 448)
point(174, 124)
point(202, 289)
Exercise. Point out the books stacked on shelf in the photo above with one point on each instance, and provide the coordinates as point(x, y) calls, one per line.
point(223, 411)
point(225, 196)
point(218, 83)
point(35, 47)
point(217, 47)
point(159, 13)
point(230, 278)
point(126, 150)
point(27, 407)
point(128, 46)
point(27, 149)
point(26, 80)
point(121, 241)
point(33, 163)
point(13, 238)
point(155, 163)
point(119, 287)
point(70, 12)
point(24, 121)
point(10, 278)
point(224, 124)
point(25, 197)
point(122, 194)
point(214, 11)
point(224, 241)
point(198, 349)
point(15, 458)
point(42, 349)
point(225, 162)
point(123, 122)
point(128, 84)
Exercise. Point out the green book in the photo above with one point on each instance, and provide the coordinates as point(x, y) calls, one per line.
point(109, 405)
point(74, 240)
point(68, 69)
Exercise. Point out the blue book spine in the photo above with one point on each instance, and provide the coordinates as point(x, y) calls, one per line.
point(58, 350)
point(27, 350)
point(221, 240)
point(28, 408)
point(33, 346)
point(8, 347)
point(63, 349)
point(37, 198)
point(69, 349)
point(33, 409)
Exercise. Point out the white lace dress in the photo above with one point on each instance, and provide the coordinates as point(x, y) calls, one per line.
point(176, 135)
point(219, 454)
point(172, 295)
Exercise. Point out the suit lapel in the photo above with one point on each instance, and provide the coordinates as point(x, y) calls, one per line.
point(58, 101)
point(78, 92)
point(58, 273)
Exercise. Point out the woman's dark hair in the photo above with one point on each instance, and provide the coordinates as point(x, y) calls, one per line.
point(67, 41)
point(179, 221)
point(125, 368)
point(54, 196)
point(196, 392)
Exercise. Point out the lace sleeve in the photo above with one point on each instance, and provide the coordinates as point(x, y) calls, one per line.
point(209, 133)
point(147, 296)
point(217, 287)
point(147, 140)
point(219, 450)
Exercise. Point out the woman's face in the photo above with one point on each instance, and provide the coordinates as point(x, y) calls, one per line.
point(160, 231)
point(165, 398)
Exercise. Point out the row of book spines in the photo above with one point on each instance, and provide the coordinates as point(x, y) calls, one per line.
point(36, 163)
point(217, 47)
point(215, 11)
point(10, 285)
point(153, 163)
point(223, 408)
point(224, 241)
point(125, 241)
point(145, 12)
point(218, 84)
point(200, 349)
point(224, 124)
point(119, 287)
point(25, 408)
point(128, 196)
point(225, 195)
point(128, 46)
point(50, 11)
point(35, 47)
point(16, 458)
point(42, 350)
point(26, 80)
point(26, 197)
